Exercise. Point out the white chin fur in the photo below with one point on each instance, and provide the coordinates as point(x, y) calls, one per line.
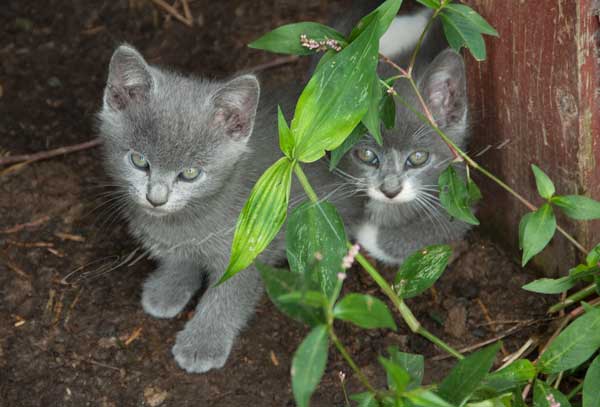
point(408, 194)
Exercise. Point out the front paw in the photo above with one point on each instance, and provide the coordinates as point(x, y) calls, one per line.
point(162, 297)
point(198, 352)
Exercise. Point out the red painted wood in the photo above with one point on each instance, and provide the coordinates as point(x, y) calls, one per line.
point(535, 100)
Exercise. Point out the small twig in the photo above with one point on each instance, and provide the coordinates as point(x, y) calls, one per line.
point(29, 244)
point(172, 11)
point(488, 318)
point(134, 335)
point(27, 225)
point(186, 10)
point(275, 63)
point(17, 270)
point(50, 153)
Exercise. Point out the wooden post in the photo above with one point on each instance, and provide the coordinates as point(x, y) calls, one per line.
point(536, 100)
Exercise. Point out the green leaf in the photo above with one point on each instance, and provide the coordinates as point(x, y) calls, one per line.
point(397, 377)
point(433, 4)
point(282, 283)
point(544, 184)
point(336, 98)
point(413, 364)
point(512, 377)
point(461, 31)
point(365, 399)
point(473, 17)
point(593, 257)
point(388, 112)
point(365, 311)
point(286, 39)
point(500, 401)
point(286, 140)
point(421, 270)
point(371, 119)
point(546, 396)
point(455, 197)
point(537, 231)
point(263, 215)
point(576, 344)
point(550, 286)
point(308, 364)
point(474, 192)
point(591, 385)
point(578, 207)
point(385, 14)
point(426, 398)
point(316, 244)
point(466, 376)
point(336, 155)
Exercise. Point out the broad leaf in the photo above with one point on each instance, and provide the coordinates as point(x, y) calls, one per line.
point(336, 155)
point(466, 376)
point(550, 286)
point(397, 377)
point(385, 14)
point(473, 17)
point(262, 216)
point(365, 311)
point(316, 243)
point(546, 396)
point(544, 184)
point(336, 98)
point(371, 120)
point(286, 140)
point(591, 385)
point(308, 364)
point(421, 270)
point(286, 39)
point(426, 398)
point(593, 257)
point(433, 4)
point(576, 344)
point(459, 30)
point(512, 377)
point(536, 231)
point(578, 207)
point(413, 364)
point(365, 399)
point(282, 283)
point(388, 112)
point(455, 196)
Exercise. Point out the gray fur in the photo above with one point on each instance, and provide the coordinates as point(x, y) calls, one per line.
point(178, 122)
point(392, 228)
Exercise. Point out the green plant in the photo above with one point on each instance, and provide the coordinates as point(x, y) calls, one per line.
point(343, 100)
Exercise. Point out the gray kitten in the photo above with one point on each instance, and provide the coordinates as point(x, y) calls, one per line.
point(402, 212)
point(185, 153)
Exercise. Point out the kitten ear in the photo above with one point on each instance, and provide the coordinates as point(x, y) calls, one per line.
point(444, 88)
point(129, 78)
point(235, 106)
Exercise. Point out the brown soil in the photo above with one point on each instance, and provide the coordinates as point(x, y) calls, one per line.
point(85, 341)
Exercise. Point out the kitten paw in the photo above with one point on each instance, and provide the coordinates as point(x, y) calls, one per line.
point(164, 298)
point(198, 353)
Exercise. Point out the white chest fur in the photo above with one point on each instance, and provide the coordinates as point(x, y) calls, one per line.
point(366, 235)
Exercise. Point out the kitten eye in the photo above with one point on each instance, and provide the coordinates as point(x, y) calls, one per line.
point(189, 174)
point(417, 159)
point(367, 156)
point(139, 161)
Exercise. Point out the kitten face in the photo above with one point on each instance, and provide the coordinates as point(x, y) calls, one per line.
point(407, 167)
point(170, 140)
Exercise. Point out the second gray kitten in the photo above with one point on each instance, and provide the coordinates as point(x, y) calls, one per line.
point(185, 153)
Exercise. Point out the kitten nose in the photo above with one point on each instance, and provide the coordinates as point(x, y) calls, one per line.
point(391, 192)
point(158, 194)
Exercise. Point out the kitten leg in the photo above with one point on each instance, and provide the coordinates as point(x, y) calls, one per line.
point(206, 340)
point(167, 291)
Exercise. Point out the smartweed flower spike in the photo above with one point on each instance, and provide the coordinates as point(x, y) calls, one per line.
point(348, 260)
point(552, 400)
point(322, 45)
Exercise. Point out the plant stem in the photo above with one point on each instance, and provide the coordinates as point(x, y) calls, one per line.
point(413, 57)
point(572, 299)
point(308, 189)
point(338, 344)
point(576, 390)
point(412, 322)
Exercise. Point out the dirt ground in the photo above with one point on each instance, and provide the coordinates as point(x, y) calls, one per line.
point(72, 336)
